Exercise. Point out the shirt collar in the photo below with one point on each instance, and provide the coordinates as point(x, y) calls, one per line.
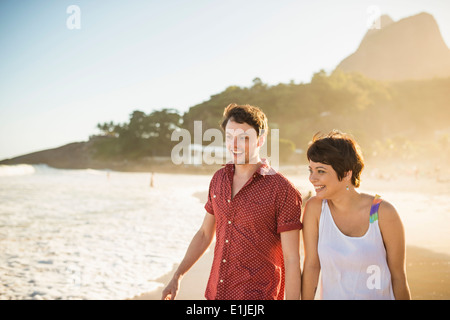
point(263, 170)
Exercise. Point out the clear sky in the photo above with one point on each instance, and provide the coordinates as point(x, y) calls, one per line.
point(57, 83)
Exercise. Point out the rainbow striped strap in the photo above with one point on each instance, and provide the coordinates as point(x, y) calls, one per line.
point(374, 209)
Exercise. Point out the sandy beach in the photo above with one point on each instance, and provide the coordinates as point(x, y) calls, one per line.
point(428, 265)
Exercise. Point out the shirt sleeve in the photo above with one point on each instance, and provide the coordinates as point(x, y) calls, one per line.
point(289, 209)
point(208, 205)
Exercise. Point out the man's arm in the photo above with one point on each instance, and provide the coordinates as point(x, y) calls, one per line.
point(199, 243)
point(290, 242)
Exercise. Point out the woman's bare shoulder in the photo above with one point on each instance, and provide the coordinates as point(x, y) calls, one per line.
point(387, 212)
point(313, 207)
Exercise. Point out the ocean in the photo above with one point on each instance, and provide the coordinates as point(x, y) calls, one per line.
point(92, 234)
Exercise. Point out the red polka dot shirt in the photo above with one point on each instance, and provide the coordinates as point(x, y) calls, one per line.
point(248, 258)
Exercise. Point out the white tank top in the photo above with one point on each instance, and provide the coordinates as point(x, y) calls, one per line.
point(353, 268)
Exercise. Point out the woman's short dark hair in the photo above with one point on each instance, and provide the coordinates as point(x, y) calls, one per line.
point(251, 115)
point(340, 151)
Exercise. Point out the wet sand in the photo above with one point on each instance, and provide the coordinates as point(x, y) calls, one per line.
point(428, 274)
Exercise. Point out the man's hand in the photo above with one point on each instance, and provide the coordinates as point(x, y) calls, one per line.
point(196, 249)
point(171, 291)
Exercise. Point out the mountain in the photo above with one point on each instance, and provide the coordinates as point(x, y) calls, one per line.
point(74, 155)
point(81, 155)
point(409, 49)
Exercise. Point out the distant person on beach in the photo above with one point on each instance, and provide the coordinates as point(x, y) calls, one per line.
point(254, 212)
point(355, 240)
point(152, 180)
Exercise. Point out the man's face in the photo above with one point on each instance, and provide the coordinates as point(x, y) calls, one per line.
point(242, 142)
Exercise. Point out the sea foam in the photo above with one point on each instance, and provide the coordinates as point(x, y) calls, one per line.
point(92, 234)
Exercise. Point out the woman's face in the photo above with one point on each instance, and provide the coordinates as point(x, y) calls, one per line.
point(325, 180)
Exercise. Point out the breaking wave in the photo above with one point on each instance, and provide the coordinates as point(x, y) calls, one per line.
point(16, 170)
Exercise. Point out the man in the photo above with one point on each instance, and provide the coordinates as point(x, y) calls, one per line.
point(255, 213)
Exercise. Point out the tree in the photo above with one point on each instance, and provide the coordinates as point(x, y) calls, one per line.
point(162, 123)
point(109, 129)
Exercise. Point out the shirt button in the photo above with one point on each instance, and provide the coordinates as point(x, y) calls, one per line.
point(221, 280)
point(214, 196)
point(228, 200)
point(229, 222)
point(224, 260)
point(226, 241)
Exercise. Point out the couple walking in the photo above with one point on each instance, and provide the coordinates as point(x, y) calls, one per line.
point(354, 240)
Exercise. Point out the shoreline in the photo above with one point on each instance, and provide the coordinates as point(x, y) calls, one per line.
point(192, 285)
point(194, 282)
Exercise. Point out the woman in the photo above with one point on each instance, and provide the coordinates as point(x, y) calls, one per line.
point(354, 239)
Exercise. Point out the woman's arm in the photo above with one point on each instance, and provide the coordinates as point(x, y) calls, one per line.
point(394, 241)
point(311, 267)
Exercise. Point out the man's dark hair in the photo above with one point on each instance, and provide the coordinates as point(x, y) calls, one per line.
point(248, 114)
